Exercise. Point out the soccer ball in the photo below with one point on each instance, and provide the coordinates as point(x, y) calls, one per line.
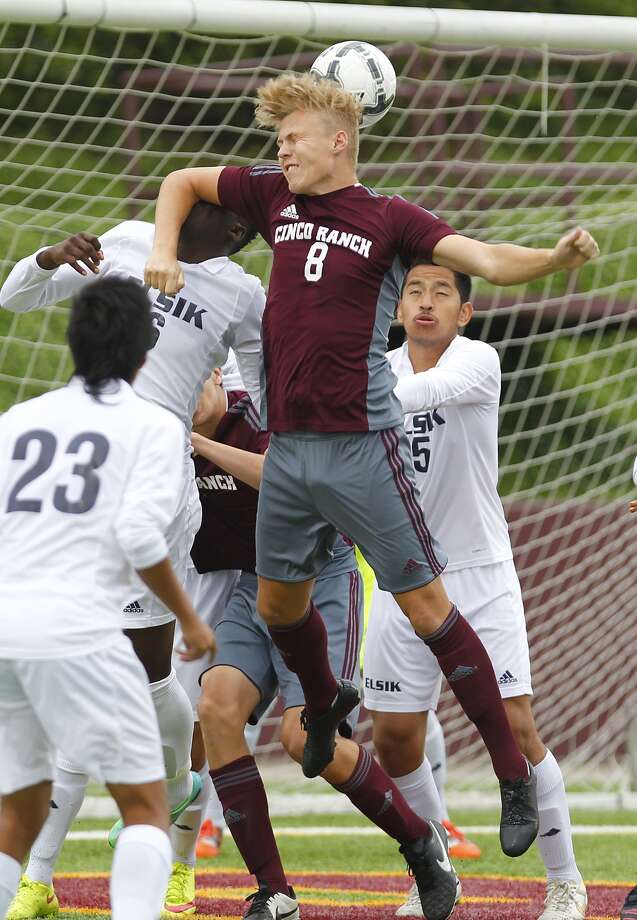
point(363, 70)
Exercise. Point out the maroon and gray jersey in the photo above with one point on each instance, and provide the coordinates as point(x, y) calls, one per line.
point(226, 538)
point(338, 264)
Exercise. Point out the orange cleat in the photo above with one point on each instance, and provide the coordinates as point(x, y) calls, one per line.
point(209, 840)
point(459, 846)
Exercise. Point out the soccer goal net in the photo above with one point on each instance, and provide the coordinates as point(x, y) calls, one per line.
point(509, 139)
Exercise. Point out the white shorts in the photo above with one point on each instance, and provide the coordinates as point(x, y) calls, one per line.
point(96, 710)
point(402, 675)
point(210, 594)
point(146, 609)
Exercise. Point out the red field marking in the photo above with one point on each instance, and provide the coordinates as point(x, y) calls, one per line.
point(340, 896)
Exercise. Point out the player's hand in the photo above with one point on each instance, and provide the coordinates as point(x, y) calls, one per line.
point(198, 443)
point(574, 249)
point(164, 274)
point(198, 639)
point(633, 507)
point(80, 249)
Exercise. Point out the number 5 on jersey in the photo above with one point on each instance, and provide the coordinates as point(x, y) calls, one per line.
point(314, 262)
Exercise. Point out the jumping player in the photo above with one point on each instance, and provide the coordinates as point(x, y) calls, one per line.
point(219, 306)
point(78, 512)
point(248, 673)
point(338, 457)
point(450, 385)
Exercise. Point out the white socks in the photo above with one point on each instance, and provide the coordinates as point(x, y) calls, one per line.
point(10, 871)
point(184, 833)
point(174, 715)
point(420, 793)
point(554, 839)
point(437, 756)
point(67, 796)
point(141, 868)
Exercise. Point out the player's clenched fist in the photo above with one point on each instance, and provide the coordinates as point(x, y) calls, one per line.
point(574, 249)
point(82, 248)
point(164, 274)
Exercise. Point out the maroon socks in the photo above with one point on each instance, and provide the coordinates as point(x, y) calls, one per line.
point(303, 647)
point(464, 661)
point(245, 808)
point(379, 799)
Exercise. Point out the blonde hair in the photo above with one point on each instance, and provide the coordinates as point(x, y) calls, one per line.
point(293, 92)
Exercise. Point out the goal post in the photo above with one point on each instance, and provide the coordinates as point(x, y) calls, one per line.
point(513, 127)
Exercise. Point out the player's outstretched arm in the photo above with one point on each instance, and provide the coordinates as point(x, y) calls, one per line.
point(179, 191)
point(52, 274)
point(506, 263)
point(245, 465)
point(197, 636)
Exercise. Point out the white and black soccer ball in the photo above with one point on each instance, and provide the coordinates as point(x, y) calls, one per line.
point(363, 70)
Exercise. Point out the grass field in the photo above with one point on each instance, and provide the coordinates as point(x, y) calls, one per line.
point(348, 874)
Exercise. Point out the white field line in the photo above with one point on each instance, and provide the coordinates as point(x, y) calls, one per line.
point(583, 830)
point(293, 804)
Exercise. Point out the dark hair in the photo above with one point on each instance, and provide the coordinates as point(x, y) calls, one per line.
point(205, 217)
point(110, 330)
point(250, 234)
point(463, 282)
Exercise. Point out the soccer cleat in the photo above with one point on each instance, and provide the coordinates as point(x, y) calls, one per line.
point(33, 899)
point(209, 840)
point(180, 894)
point(321, 730)
point(565, 900)
point(267, 905)
point(412, 906)
point(195, 789)
point(435, 877)
point(629, 910)
point(519, 821)
point(459, 846)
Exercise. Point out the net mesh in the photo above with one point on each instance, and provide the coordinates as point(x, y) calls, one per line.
point(506, 144)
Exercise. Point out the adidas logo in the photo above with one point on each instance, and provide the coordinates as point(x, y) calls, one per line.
point(233, 817)
point(507, 678)
point(461, 671)
point(387, 803)
point(290, 212)
point(409, 566)
point(135, 607)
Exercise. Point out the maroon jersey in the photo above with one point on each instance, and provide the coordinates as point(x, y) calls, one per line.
point(229, 506)
point(338, 264)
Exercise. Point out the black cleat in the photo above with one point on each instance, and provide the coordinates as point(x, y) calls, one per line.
point(321, 730)
point(266, 905)
point(519, 821)
point(629, 910)
point(435, 877)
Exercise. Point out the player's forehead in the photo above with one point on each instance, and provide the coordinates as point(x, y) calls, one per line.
point(421, 275)
point(302, 121)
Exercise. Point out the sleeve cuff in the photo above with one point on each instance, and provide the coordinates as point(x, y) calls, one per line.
point(143, 557)
point(37, 269)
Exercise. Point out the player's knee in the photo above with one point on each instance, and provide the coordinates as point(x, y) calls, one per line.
point(219, 716)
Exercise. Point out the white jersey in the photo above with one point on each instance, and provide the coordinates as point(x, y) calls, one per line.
point(220, 306)
point(87, 490)
point(452, 424)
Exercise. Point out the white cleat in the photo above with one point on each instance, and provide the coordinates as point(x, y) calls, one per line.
point(412, 906)
point(565, 899)
point(268, 906)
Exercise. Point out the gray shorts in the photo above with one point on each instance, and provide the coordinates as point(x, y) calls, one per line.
point(243, 641)
point(359, 484)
